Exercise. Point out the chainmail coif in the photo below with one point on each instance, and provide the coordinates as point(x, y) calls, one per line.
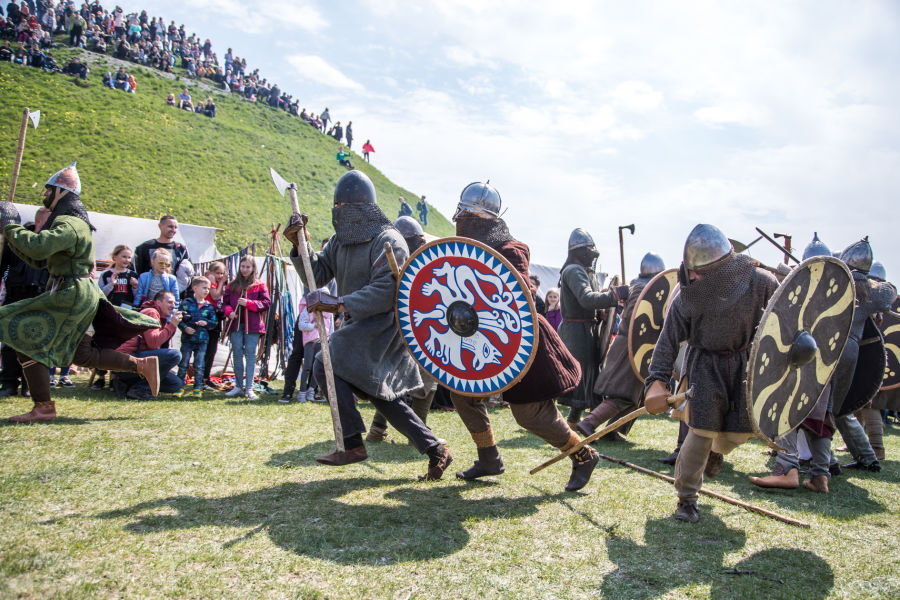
point(358, 223)
point(723, 285)
point(492, 232)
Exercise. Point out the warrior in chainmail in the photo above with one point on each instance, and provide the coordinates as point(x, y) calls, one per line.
point(620, 389)
point(554, 370)
point(723, 296)
point(419, 399)
point(368, 355)
point(49, 329)
point(580, 299)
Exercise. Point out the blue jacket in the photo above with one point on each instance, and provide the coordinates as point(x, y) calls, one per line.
point(143, 290)
point(207, 313)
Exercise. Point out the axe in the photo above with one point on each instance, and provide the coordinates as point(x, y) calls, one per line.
point(23, 129)
point(675, 401)
point(622, 248)
point(297, 227)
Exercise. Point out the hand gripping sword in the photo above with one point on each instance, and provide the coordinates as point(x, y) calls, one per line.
point(298, 225)
point(674, 401)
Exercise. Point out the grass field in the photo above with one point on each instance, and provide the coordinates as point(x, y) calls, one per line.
point(218, 498)
point(139, 157)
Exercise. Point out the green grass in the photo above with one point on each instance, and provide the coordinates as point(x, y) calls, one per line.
point(139, 157)
point(222, 499)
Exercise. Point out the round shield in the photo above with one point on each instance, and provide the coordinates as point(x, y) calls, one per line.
point(890, 329)
point(467, 316)
point(869, 372)
point(647, 320)
point(797, 345)
point(605, 331)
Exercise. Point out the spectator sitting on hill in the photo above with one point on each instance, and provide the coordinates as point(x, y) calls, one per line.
point(21, 55)
point(344, 158)
point(170, 99)
point(209, 109)
point(76, 68)
point(6, 52)
point(120, 80)
point(184, 100)
point(50, 64)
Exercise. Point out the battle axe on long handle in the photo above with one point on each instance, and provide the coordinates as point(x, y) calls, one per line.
point(20, 149)
point(674, 401)
point(298, 225)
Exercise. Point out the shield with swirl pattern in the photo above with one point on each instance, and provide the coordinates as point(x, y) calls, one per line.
point(890, 329)
point(647, 320)
point(467, 316)
point(797, 345)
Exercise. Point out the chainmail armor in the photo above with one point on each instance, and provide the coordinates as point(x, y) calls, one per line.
point(358, 223)
point(720, 287)
point(9, 214)
point(70, 205)
point(492, 232)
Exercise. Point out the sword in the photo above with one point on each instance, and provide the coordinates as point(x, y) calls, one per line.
point(674, 401)
point(303, 249)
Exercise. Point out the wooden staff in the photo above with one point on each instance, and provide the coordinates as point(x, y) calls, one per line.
point(718, 496)
point(19, 151)
point(674, 401)
point(392, 260)
point(320, 325)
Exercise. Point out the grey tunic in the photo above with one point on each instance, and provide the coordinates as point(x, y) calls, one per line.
point(367, 351)
point(580, 298)
point(718, 323)
point(617, 378)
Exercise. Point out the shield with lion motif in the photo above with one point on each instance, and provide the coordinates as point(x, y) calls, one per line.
point(467, 316)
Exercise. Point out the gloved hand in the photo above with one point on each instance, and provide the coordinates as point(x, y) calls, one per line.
point(656, 398)
point(293, 227)
point(317, 301)
point(621, 293)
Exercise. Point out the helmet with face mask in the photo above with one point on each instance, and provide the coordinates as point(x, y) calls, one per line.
point(579, 238)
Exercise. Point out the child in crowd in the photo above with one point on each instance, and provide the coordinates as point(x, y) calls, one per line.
point(199, 317)
point(120, 282)
point(245, 302)
point(553, 308)
point(217, 276)
point(158, 278)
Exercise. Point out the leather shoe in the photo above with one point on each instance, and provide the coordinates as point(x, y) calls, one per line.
point(148, 368)
point(439, 458)
point(873, 467)
point(42, 411)
point(688, 512)
point(670, 459)
point(583, 464)
point(339, 459)
point(488, 463)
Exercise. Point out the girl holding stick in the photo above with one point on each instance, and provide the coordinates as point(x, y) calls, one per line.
point(245, 303)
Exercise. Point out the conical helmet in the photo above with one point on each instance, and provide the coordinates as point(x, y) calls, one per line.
point(878, 272)
point(816, 248)
point(858, 256)
point(479, 197)
point(579, 238)
point(408, 227)
point(652, 264)
point(705, 245)
point(66, 179)
point(354, 187)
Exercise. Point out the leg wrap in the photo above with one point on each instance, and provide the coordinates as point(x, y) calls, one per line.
point(37, 375)
point(689, 467)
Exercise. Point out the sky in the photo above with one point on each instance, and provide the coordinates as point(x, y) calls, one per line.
point(778, 115)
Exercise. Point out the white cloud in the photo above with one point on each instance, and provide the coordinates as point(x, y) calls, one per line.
point(263, 18)
point(319, 70)
point(637, 96)
point(734, 114)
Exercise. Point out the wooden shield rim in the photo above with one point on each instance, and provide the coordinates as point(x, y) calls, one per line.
point(754, 346)
point(519, 279)
point(609, 319)
point(661, 274)
point(894, 310)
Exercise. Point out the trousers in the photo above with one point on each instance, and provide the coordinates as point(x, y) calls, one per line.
point(540, 418)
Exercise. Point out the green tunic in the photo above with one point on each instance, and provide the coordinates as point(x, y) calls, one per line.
point(49, 327)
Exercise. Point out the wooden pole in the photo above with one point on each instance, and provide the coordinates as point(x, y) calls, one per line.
point(674, 401)
point(320, 326)
point(711, 494)
point(622, 254)
point(19, 152)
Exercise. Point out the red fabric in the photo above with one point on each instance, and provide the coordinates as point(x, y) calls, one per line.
point(151, 339)
point(554, 370)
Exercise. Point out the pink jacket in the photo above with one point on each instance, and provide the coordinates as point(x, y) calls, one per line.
point(253, 319)
point(307, 324)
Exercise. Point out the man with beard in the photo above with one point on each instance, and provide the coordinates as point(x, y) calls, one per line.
point(553, 371)
point(723, 296)
point(49, 329)
point(367, 353)
point(581, 298)
point(620, 389)
point(419, 399)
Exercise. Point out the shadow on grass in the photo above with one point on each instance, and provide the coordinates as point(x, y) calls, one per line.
point(378, 452)
point(346, 521)
point(675, 554)
point(66, 421)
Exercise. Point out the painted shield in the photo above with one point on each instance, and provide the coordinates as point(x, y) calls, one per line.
point(467, 316)
point(608, 321)
point(869, 372)
point(647, 320)
point(797, 345)
point(890, 329)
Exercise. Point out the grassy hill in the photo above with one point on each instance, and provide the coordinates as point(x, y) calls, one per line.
point(139, 157)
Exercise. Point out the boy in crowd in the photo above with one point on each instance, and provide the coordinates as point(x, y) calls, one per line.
point(199, 318)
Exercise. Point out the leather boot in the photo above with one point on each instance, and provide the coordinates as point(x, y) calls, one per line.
point(603, 413)
point(42, 411)
point(583, 464)
point(670, 459)
point(488, 463)
point(376, 434)
point(817, 483)
point(778, 479)
point(687, 511)
point(713, 464)
point(439, 458)
point(148, 368)
point(339, 459)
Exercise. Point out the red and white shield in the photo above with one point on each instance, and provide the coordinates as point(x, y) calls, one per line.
point(467, 316)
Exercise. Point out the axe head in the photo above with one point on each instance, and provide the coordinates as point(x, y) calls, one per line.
point(35, 117)
point(628, 227)
point(280, 182)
